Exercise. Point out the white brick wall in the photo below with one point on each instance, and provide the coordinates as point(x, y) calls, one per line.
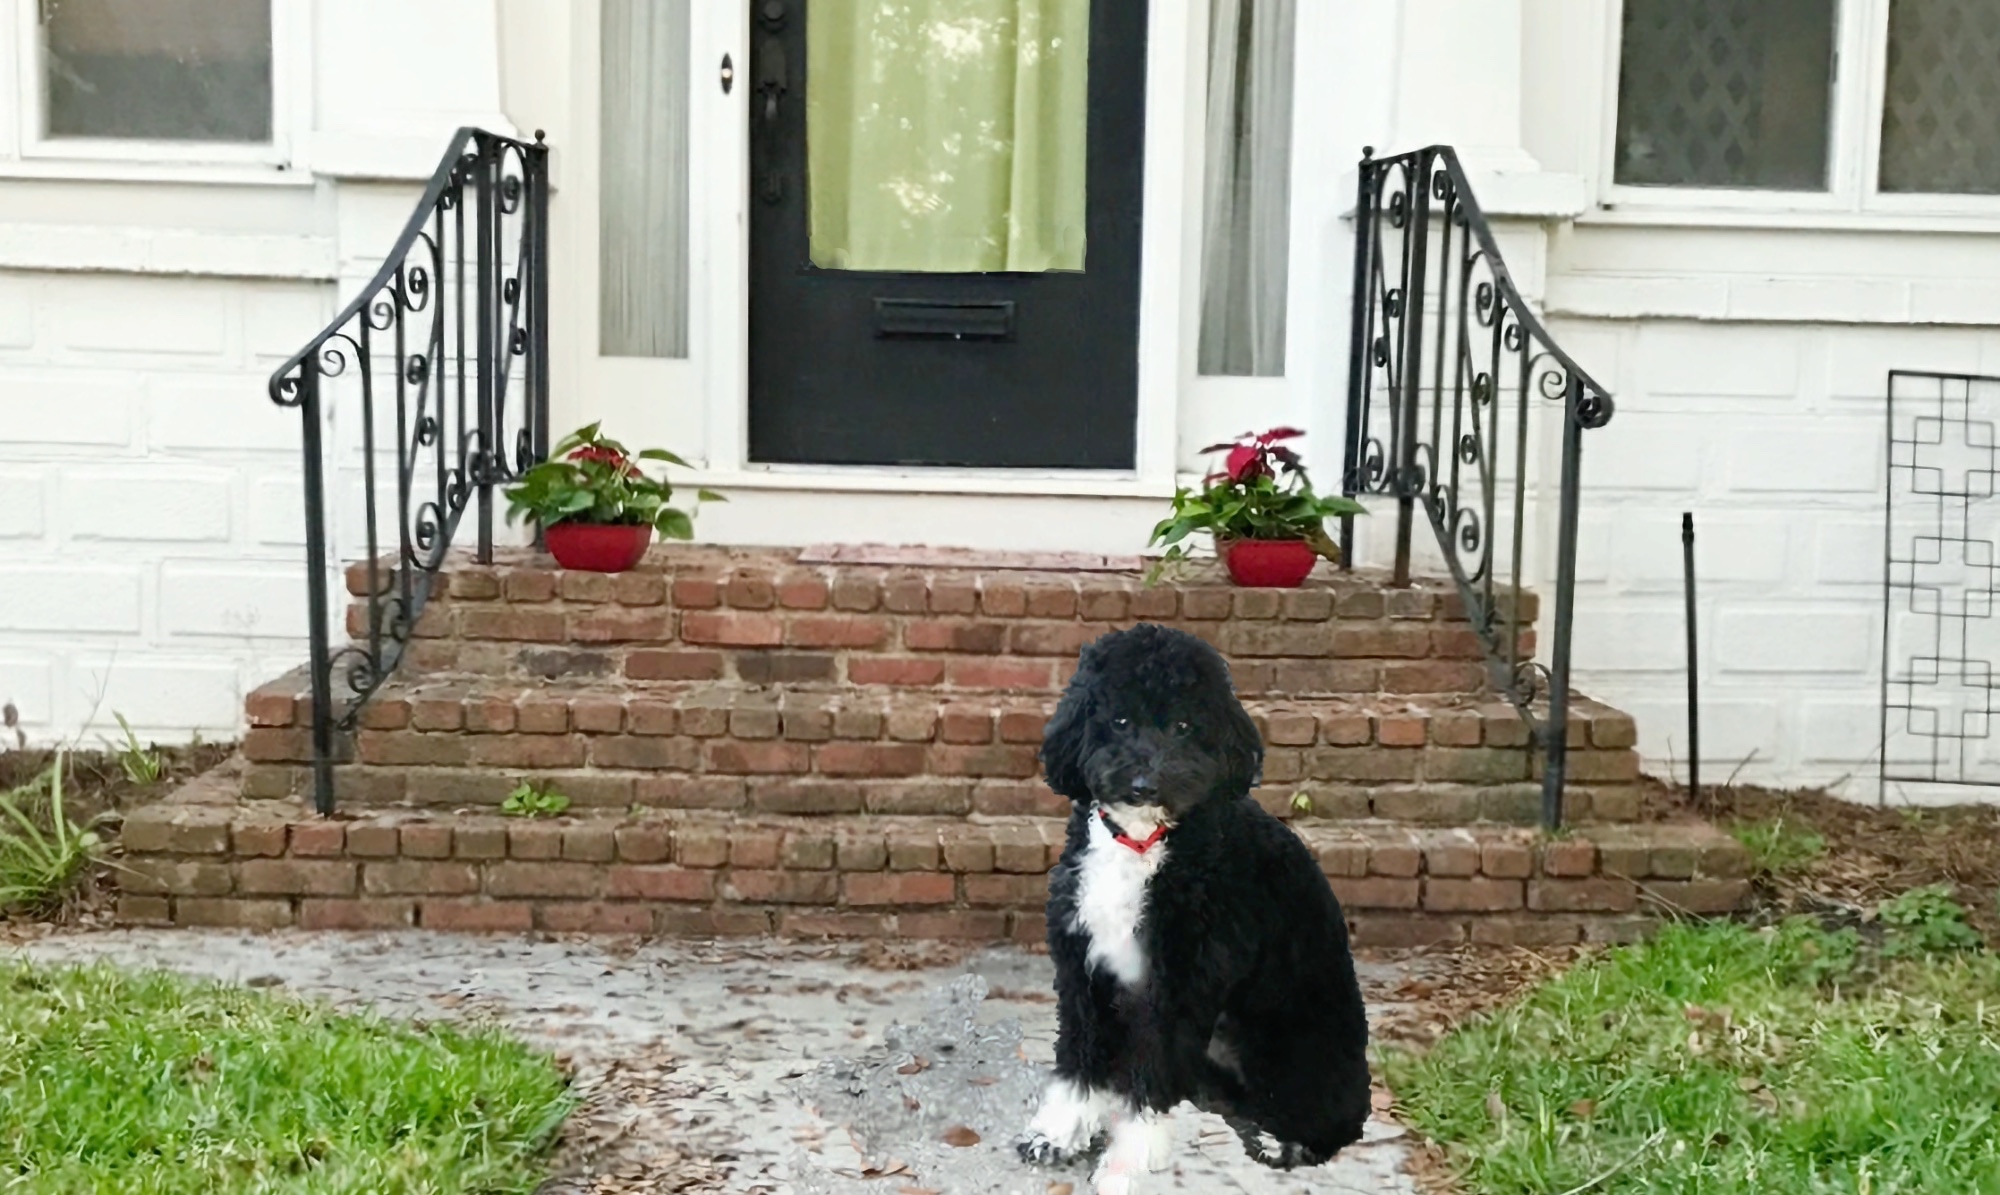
point(149, 498)
point(1773, 435)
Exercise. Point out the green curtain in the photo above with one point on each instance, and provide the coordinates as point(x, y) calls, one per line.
point(947, 135)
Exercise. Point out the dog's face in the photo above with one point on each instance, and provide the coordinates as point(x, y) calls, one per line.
point(1151, 719)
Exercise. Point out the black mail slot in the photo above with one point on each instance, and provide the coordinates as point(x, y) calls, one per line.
point(958, 319)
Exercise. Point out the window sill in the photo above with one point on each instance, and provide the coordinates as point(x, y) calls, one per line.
point(1034, 483)
point(1792, 220)
point(184, 252)
point(133, 171)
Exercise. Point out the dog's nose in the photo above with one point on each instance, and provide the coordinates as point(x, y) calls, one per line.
point(1144, 788)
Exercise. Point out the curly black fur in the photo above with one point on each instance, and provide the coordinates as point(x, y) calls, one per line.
point(1249, 1005)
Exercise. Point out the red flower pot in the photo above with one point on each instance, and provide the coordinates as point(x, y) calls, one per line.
point(1269, 563)
point(598, 547)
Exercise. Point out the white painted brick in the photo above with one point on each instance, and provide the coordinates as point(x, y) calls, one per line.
point(1859, 359)
point(17, 317)
point(1703, 361)
point(1955, 301)
point(1729, 550)
point(1827, 455)
point(1814, 638)
point(1614, 296)
point(27, 681)
point(277, 511)
point(21, 505)
point(158, 696)
point(231, 413)
point(43, 408)
point(1626, 638)
point(69, 598)
point(1643, 450)
point(1848, 552)
point(148, 508)
point(1835, 300)
point(236, 602)
point(279, 320)
point(1596, 533)
point(1732, 726)
point(1844, 731)
point(131, 315)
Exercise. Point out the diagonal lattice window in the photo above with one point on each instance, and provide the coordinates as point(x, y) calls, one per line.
point(1726, 93)
point(1941, 110)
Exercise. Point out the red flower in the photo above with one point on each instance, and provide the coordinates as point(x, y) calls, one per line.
point(1245, 463)
point(610, 457)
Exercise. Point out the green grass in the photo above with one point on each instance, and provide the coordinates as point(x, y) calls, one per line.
point(1725, 1060)
point(1778, 846)
point(122, 1083)
point(44, 854)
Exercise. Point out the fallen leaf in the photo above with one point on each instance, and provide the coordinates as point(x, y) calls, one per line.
point(1495, 1107)
point(1061, 1189)
point(961, 1136)
point(1748, 1083)
point(916, 1063)
point(982, 1080)
point(1583, 1109)
point(889, 1169)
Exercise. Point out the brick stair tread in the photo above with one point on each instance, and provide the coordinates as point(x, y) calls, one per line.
point(204, 818)
point(478, 703)
point(202, 858)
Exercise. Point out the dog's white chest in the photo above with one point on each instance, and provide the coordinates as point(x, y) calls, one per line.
point(1111, 899)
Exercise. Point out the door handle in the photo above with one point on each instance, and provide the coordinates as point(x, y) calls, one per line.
point(772, 77)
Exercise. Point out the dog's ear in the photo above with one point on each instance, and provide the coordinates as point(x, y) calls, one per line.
point(1063, 741)
point(1241, 747)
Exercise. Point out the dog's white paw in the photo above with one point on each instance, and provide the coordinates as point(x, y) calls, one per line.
point(1139, 1144)
point(1159, 1132)
point(1068, 1123)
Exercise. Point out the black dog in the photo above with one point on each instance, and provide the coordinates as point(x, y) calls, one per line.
point(1199, 953)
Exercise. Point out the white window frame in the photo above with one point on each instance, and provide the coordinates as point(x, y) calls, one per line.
point(26, 152)
point(1860, 86)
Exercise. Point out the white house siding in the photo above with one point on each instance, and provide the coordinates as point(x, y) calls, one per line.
point(149, 497)
point(151, 525)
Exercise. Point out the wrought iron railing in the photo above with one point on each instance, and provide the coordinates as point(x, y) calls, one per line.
point(424, 355)
point(1451, 381)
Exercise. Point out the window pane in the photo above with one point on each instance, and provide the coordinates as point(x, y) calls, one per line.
point(642, 243)
point(1247, 189)
point(158, 70)
point(947, 135)
point(1941, 116)
point(1726, 93)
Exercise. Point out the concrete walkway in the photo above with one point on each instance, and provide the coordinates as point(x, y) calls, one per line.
point(754, 1066)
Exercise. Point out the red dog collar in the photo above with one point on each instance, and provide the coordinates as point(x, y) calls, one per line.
point(1138, 846)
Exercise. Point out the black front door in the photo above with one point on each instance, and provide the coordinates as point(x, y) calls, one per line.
point(944, 232)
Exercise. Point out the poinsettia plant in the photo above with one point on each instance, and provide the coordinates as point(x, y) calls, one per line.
point(591, 478)
point(1260, 492)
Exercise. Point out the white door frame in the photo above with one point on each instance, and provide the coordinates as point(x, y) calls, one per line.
point(699, 407)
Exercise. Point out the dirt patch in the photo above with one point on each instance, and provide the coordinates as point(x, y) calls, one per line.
point(99, 786)
point(1872, 853)
point(1440, 987)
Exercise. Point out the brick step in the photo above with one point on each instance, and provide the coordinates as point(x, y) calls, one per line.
point(767, 617)
point(206, 857)
point(440, 740)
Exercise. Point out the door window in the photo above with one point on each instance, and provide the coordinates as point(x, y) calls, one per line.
point(947, 136)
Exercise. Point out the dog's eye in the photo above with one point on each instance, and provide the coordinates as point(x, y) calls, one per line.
point(1183, 729)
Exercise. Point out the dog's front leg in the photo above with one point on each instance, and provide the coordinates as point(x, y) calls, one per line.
point(1076, 1106)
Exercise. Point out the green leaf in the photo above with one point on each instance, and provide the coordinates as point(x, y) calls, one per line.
point(661, 454)
point(709, 496)
point(674, 524)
